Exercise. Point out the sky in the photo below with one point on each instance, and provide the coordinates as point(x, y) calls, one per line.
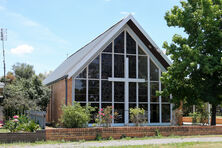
point(43, 33)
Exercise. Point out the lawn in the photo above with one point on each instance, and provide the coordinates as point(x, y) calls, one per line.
point(3, 130)
point(178, 145)
point(175, 145)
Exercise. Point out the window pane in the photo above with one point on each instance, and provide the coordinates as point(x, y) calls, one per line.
point(154, 113)
point(108, 48)
point(142, 67)
point(131, 105)
point(119, 66)
point(143, 92)
point(118, 91)
point(82, 74)
point(93, 90)
point(164, 99)
point(119, 44)
point(154, 86)
point(145, 107)
point(165, 112)
point(93, 71)
point(132, 66)
point(106, 66)
point(130, 44)
point(154, 72)
point(140, 51)
point(94, 113)
point(104, 105)
point(80, 90)
point(119, 108)
point(132, 92)
point(106, 91)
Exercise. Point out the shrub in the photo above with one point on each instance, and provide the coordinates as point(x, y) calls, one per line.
point(21, 123)
point(12, 125)
point(195, 117)
point(104, 116)
point(75, 116)
point(98, 137)
point(137, 116)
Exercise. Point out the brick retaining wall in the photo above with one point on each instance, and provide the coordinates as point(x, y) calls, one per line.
point(116, 132)
point(22, 137)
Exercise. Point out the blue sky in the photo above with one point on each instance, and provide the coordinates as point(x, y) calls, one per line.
point(43, 32)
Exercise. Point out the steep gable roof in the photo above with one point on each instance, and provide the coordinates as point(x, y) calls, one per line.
point(72, 64)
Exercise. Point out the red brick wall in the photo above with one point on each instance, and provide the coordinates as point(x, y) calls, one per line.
point(22, 137)
point(58, 99)
point(117, 132)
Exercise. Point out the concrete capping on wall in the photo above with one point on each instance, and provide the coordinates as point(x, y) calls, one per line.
point(22, 137)
point(72, 134)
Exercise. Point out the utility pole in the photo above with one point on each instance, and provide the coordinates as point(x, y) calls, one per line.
point(4, 38)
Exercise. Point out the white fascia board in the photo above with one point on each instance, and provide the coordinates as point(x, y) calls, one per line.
point(98, 46)
point(150, 39)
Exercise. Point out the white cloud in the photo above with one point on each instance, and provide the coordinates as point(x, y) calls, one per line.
point(22, 49)
point(107, 0)
point(127, 13)
point(30, 23)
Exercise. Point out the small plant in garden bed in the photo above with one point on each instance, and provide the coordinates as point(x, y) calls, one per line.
point(22, 123)
point(137, 116)
point(105, 117)
point(75, 116)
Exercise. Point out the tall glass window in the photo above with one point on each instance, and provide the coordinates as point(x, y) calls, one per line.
point(130, 44)
point(93, 94)
point(119, 44)
point(80, 90)
point(119, 66)
point(94, 69)
point(132, 66)
point(102, 82)
point(154, 72)
point(106, 66)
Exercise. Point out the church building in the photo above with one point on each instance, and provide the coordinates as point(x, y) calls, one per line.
point(120, 68)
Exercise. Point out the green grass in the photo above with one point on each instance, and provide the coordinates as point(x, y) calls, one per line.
point(3, 130)
point(185, 145)
point(177, 145)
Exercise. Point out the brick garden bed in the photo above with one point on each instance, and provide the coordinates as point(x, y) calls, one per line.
point(117, 132)
point(22, 137)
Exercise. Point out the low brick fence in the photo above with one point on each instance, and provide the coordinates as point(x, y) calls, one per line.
point(189, 119)
point(22, 137)
point(117, 132)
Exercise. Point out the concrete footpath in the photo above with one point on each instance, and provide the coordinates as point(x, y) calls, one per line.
point(122, 142)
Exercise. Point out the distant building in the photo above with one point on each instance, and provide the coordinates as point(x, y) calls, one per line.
point(1, 90)
point(119, 68)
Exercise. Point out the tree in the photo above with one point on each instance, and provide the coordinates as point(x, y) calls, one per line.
point(196, 72)
point(25, 92)
point(22, 70)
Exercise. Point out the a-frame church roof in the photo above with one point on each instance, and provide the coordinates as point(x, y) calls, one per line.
point(81, 57)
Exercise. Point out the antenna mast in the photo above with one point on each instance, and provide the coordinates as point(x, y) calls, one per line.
point(4, 38)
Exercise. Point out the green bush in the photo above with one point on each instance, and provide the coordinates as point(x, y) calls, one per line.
point(137, 116)
point(75, 116)
point(21, 123)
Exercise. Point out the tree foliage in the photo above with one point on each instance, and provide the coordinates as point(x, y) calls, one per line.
point(24, 92)
point(196, 72)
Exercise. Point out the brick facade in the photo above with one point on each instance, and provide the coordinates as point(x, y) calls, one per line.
point(22, 137)
point(58, 95)
point(117, 132)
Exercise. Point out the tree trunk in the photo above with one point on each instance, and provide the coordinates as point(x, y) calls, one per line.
point(213, 114)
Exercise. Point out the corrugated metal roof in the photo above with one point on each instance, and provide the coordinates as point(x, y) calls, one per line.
point(2, 85)
point(73, 63)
